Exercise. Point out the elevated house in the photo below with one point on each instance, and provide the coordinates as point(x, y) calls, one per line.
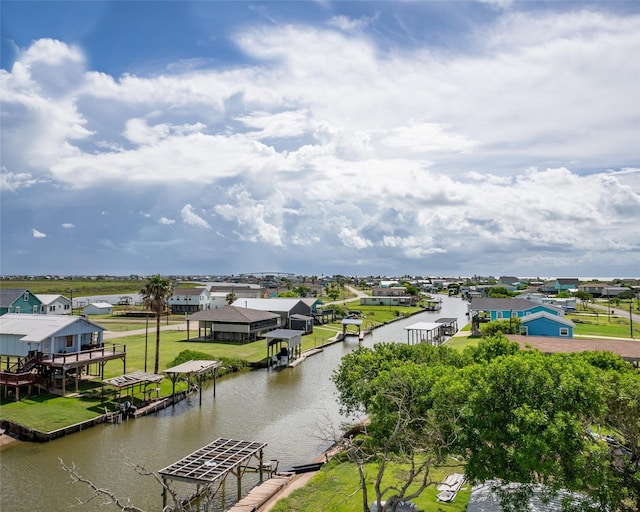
point(546, 319)
point(283, 307)
point(189, 300)
point(19, 300)
point(47, 350)
point(602, 289)
point(232, 323)
point(54, 304)
point(561, 285)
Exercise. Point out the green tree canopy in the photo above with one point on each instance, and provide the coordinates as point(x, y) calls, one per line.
point(155, 293)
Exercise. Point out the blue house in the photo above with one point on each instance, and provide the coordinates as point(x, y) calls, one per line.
point(19, 300)
point(545, 324)
point(488, 310)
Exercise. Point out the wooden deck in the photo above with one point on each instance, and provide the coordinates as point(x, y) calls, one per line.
point(260, 494)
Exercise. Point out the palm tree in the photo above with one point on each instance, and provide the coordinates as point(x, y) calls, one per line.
point(154, 293)
point(231, 297)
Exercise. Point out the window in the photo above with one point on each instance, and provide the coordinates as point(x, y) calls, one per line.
point(564, 331)
point(17, 309)
point(52, 308)
point(35, 310)
point(69, 341)
point(26, 296)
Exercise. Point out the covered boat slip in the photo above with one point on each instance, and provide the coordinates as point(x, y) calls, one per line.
point(433, 333)
point(200, 368)
point(213, 463)
point(283, 344)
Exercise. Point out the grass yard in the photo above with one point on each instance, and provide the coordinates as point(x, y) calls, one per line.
point(336, 488)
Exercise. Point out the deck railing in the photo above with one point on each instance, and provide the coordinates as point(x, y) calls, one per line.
point(84, 355)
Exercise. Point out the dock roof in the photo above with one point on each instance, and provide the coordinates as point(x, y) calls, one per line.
point(212, 462)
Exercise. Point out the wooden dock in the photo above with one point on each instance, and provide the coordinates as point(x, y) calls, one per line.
point(260, 494)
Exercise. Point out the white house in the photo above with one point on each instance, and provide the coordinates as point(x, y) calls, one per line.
point(189, 300)
point(21, 334)
point(54, 304)
point(98, 308)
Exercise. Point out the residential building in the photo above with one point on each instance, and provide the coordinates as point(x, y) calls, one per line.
point(19, 300)
point(54, 304)
point(189, 300)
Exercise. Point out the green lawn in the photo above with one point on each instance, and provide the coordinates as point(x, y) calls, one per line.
point(336, 488)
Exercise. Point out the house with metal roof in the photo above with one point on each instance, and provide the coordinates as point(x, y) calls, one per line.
point(19, 300)
point(284, 307)
point(46, 349)
point(232, 323)
point(54, 304)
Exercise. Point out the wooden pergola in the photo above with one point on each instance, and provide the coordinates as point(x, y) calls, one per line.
point(275, 340)
point(199, 368)
point(128, 383)
point(213, 463)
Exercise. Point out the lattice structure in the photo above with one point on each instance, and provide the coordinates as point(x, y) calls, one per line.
point(215, 462)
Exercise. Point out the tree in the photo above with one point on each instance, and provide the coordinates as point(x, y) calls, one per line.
point(584, 297)
point(515, 415)
point(155, 293)
point(499, 292)
point(231, 298)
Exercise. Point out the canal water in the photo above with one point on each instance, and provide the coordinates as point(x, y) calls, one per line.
point(293, 410)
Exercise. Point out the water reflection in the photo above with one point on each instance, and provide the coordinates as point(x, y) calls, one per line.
point(290, 409)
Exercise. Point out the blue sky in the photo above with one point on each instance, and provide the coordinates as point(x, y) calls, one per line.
point(431, 138)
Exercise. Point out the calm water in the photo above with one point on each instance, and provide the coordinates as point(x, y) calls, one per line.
point(293, 410)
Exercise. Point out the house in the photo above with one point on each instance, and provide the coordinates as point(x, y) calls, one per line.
point(46, 350)
point(241, 291)
point(561, 285)
point(388, 300)
point(603, 289)
point(54, 304)
point(284, 307)
point(389, 291)
point(98, 308)
point(508, 280)
point(488, 310)
point(546, 324)
point(189, 300)
point(21, 335)
point(232, 323)
point(19, 300)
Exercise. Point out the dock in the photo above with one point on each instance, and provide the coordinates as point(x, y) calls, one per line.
point(260, 494)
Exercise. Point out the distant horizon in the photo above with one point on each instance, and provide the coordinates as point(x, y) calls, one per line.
point(54, 277)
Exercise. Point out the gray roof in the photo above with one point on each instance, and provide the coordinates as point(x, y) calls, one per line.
point(482, 304)
point(549, 316)
point(276, 304)
point(188, 291)
point(485, 499)
point(36, 328)
point(9, 295)
point(232, 315)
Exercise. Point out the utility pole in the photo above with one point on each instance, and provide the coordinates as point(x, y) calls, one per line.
point(631, 318)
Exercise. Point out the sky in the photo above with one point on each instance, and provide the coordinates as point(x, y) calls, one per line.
point(428, 138)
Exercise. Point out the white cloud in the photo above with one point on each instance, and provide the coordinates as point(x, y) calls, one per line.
point(67, 225)
point(522, 143)
point(190, 217)
point(37, 234)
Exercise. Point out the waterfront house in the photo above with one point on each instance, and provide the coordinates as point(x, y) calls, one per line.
point(19, 300)
point(232, 323)
point(46, 350)
point(284, 307)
